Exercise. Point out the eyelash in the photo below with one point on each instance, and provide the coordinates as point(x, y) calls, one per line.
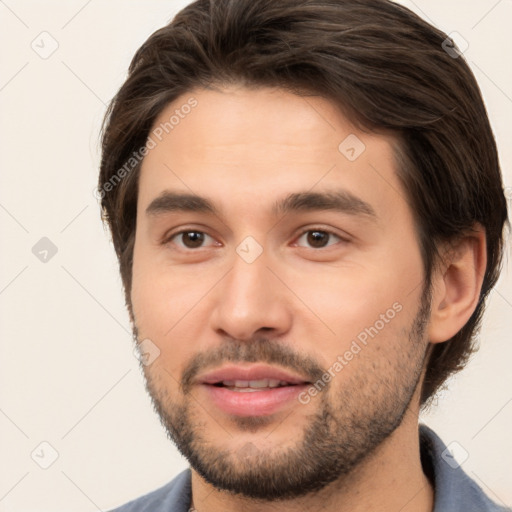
point(170, 238)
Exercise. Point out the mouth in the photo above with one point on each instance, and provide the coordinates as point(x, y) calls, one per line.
point(251, 386)
point(256, 390)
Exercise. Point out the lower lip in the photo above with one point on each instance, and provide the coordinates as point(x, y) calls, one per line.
point(253, 403)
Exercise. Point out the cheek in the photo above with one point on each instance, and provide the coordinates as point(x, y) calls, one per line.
point(161, 304)
point(169, 307)
point(358, 311)
point(160, 295)
point(347, 299)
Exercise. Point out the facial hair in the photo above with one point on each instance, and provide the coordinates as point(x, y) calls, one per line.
point(347, 426)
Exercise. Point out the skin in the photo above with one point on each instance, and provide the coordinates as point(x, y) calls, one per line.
point(244, 149)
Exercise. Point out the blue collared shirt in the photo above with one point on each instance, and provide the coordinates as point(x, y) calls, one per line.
point(454, 491)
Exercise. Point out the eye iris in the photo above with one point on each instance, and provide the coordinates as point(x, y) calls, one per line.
point(318, 238)
point(193, 239)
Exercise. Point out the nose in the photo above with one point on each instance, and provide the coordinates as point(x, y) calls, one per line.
point(250, 300)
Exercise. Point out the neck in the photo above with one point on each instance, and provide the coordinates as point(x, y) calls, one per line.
point(388, 480)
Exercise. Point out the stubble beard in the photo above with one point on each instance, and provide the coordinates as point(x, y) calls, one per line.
point(343, 431)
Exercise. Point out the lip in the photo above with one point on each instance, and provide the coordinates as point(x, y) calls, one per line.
point(252, 403)
point(253, 372)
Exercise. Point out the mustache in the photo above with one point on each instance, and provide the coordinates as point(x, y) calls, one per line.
point(258, 350)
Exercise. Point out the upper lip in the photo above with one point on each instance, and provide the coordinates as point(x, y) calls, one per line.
point(248, 373)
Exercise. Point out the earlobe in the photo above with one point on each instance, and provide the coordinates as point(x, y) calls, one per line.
point(456, 286)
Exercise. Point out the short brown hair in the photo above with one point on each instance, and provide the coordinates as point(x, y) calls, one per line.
point(385, 67)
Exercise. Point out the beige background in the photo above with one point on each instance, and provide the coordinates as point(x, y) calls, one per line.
point(68, 376)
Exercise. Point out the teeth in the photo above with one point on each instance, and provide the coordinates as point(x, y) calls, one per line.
point(253, 384)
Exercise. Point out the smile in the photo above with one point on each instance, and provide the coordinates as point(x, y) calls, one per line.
point(252, 385)
point(255, 390)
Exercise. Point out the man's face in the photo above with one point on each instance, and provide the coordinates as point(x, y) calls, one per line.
point(253, 296)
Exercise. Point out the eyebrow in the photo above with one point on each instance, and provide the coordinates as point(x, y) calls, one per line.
point(340, 200)
point(173, 201)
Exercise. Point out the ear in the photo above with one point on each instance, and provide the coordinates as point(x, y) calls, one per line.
point(456, 285)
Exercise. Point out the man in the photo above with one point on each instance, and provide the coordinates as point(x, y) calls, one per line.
point(306, 202)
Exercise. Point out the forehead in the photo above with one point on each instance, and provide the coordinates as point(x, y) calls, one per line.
point(257, 143)
point(248, 117)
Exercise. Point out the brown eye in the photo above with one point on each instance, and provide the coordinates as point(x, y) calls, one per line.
point(192, 239)
point(317, 239)
point(189, 239)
